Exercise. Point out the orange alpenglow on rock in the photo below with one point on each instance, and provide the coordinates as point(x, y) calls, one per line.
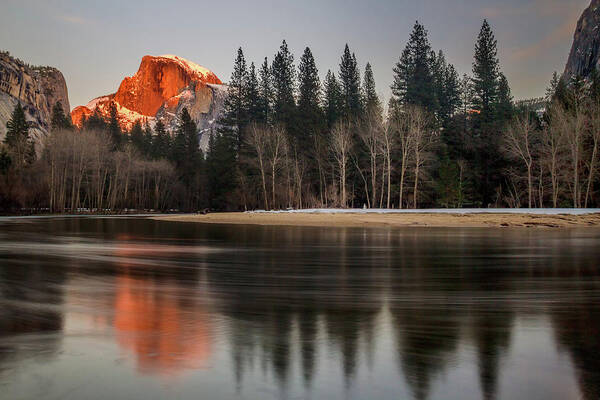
point(157, 83)
point(166, 336)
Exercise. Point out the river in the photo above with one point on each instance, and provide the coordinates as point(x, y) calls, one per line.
point(133, 308)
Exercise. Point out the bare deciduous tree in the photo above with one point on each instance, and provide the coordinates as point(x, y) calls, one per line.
point(518, 137)
point(257, 140)
point(594, 133)
point(553, 146)
point(371, 135)
point(341, 144)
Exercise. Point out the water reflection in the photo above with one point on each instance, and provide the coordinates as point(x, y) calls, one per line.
point(166, 328)
point(262, 312)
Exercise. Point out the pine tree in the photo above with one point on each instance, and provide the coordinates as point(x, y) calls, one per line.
point(485, 73)
point(187, 156)
point(504, 106)
point(413, 77)
point(332, 99)
point(447, 88)
point(161, 143)
point(490, 104)
point(136, 135)
point(114, 129)
point(17, 138)
point(59, 120)
point(148, 138)
point(310, 116)
point(553, 86)
point(266, 93)
point(350, 85)
point(438, 70)
point(221, 171)
point(95, 122)
point(17, 129)
point(235, 112)
point(284, 83)
point(369, 92)
point(253, 96)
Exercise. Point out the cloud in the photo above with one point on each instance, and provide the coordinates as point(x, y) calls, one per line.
point(73, 19)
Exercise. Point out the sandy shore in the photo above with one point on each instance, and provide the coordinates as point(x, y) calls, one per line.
point(394, 220)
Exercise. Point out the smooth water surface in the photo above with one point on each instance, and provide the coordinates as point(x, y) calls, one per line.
point(131, 308)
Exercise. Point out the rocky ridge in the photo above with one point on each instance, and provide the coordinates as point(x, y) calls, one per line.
point(37, 88)
point(584, 57)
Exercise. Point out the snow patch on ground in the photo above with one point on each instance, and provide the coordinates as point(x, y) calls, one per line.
point(533, 211)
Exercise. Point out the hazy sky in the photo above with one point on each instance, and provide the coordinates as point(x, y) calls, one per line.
point(97, 43)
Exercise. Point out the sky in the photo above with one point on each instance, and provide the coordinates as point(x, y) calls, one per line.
point(97, 43)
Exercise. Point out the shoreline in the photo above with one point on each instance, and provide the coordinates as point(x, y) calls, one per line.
point(393, 220)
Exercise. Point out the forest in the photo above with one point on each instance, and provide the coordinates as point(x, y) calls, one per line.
point(288, 140)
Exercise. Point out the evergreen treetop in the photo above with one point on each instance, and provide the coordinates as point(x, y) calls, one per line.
point(235, 111)
point(283, 77)
point(332, 99)
point(485, 70)
point(350, 85)
point(413, 77)
point(371, 99)
point(310, 116)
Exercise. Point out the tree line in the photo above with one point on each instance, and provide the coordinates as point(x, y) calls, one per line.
point(99, 168)
point(288, 140)
point(444, 140)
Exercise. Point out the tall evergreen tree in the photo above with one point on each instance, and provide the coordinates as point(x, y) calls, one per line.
point(491, 98)
point(332, 99)
point(485, 73)
point(235, 111)
point(148, 138)
point(161, 143)
point(551, 89)
point(310, 116)
point(266, 93)
point(221, 172)
point(114, 129)
point(17, 137)
point(504, 105)
point(17, 129)
point(447, 89)
point(413, 76)
point(369, 91)
point(136, 135)
point(187, 156)
point(284, 84)
point(253, 96)
point(59, 119)
point(350, 85)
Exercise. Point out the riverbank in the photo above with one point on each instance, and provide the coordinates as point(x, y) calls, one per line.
point(357, 218)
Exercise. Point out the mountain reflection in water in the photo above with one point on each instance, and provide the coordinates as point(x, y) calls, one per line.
point(100, 307)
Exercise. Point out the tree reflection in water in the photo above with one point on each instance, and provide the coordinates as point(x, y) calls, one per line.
point(287, 304)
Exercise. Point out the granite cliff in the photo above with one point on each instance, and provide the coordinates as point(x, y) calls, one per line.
point(37, 88)
point(584, 57)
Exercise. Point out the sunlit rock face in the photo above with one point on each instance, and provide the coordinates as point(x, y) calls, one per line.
point(585, 52)
point(160, 89)
point(37, 88)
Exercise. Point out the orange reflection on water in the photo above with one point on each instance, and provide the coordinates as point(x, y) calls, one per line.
point(163, 324)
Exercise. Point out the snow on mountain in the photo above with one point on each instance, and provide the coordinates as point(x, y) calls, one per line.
point(160, 89)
